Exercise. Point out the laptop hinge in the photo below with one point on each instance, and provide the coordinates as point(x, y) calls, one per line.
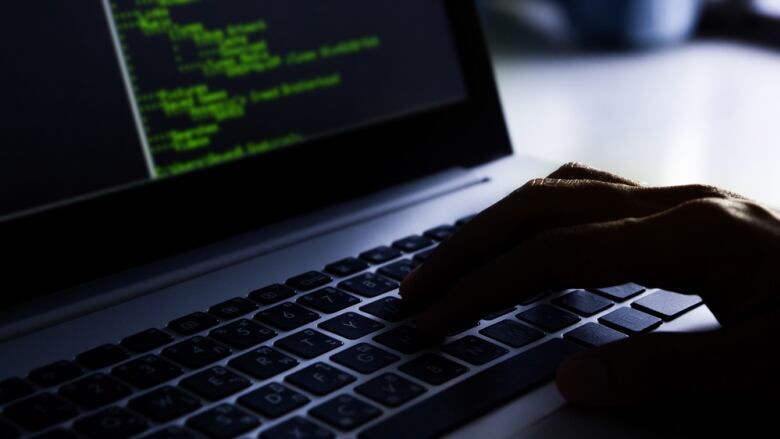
point(107, 292)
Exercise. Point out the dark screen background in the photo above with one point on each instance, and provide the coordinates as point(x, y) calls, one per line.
point(69, 130)
point(67, 125)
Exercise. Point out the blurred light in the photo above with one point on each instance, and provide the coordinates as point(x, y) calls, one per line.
point(767, 7)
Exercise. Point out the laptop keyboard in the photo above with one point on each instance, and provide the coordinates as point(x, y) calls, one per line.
point(327, 353)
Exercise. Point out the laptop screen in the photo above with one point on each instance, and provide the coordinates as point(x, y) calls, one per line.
point(116, 93)
point(134, 131)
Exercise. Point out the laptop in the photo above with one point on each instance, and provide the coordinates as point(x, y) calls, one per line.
point(208, 207)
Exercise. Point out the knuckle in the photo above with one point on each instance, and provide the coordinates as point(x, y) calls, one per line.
point(707, 191)
point(734, 224)
point(547, 190)
point(708, 209)
point(571, 169)
point(536, 183)
point(756, 211)
point(530, 188)
point(573, 166)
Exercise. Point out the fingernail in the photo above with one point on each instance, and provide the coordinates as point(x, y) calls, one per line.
point(584, 380)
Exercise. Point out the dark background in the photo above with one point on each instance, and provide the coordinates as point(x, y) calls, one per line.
point(67, 129)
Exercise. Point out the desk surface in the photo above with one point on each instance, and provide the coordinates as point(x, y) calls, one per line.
point(704, 112)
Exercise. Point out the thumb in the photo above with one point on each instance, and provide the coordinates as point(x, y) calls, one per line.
point(659, 367)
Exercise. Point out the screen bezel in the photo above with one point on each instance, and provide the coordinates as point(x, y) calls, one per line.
point(71, 244)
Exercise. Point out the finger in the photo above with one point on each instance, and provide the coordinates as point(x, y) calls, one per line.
point(539, 206)
point(578, 171)
point(661, 250)
point(725, 365)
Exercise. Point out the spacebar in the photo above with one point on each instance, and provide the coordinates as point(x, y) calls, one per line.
point(476, 395)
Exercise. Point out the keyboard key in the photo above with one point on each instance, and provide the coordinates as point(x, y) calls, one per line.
point(497, 314)
point(308, 281)
point(423, 256)
point(465, 220)
point(320, 379)
point(368, 285)
point(365, 358)
point(273, 400)
point(380, 255)
point(232, 308)
point(243, 334)
point(328, 300)
point(40, 411)
point(95, 391)
point(620, 293)
point(456, 405)
point(196, 352)
point(55, 373)
point(112, 423)
point(224, 421)
point(433, 369)
point(630, 321)
point(441, 233)
point(411, 244)
point(308, 343)
point(146, 341)
point(391, 309)
point(405, 339)
point(215, 383)
point(390, 389)
point(287, 316)
point(147, 372)
point(172, 432)
point(512, 333)
point(400, 269)
point(351, 325)
point(263, 363)
point(164, 404)
point(103, 356)
point(346, 267)
point(297, 428)
point(667, 305)
point(271, 294)
point(594, 335)
point(345, 412)
point(7, 431)
point(583, 303)
point(474, 350)
point(193, 323)
point(548, 318)
point(12, 389)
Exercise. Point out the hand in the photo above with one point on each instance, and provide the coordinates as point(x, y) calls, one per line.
point(583, 228)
